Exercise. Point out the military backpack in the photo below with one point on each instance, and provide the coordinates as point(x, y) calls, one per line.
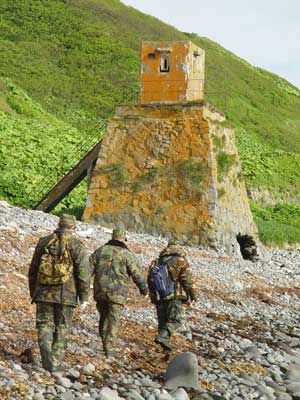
point(160, 280)
point(56, 264)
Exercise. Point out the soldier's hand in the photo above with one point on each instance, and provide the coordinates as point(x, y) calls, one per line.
point(190, 303)
point(147, 297)
point(83, 305)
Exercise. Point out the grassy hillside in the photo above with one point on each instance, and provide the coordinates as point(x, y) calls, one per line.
point(35, 149)
point(79, 58)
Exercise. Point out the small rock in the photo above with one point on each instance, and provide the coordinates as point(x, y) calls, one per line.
point(51, 390)
point(180, 394)
point(107, 394)
point(293, 388)
point(89, 369)
point(164, 396)
point(65, 382)
point(133, 394)
point(38, 396)
point(77, 386)
point(67, 396)
point(72, 373)
point(283, 396)
point(149, 383)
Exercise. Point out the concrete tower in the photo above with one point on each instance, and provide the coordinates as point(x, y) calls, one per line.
point(171, 72)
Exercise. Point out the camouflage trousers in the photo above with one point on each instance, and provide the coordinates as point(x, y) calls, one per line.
point(53, 322)
point(169, 315)
point(110, 314)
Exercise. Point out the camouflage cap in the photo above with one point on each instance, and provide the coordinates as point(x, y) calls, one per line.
point(67, 220)
point(118, 233)
point(173, 242)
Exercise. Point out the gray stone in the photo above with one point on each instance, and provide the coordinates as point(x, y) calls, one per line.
point(283, 396)
point(275, 386)
point(293, 387)
point(89, 369)
point(265, 390)
point(145, 393)
point(182, 371)
point(60, 389)
point(51, 390)
point(149, 383)
point(251, 352)
point(164, 396)
point(73, 373)
point(77, 386)
point(247, 382)
point(292, 358)
point(67, 396)
point(180, 394)
point(38, 396)
point(293, 373)
point(276, 376)
point(65, 382)
point(133, 394)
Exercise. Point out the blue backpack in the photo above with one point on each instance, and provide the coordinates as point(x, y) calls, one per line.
point(160, 280)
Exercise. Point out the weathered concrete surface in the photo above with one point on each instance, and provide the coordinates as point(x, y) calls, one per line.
point(171, 170)
point(171, 72)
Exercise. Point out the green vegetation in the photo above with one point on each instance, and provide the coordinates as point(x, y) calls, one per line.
point(33, 144)
point(192, 173)
point(148, 178)
point(78, 59)
point(279, 224)
point(224, 162)
point(221, 192)
point(117, 173)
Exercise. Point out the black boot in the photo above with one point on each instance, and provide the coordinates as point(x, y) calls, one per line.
point(163, 339)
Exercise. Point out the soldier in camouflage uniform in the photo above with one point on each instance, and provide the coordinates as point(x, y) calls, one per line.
point(55, 303)
point(114, 265)
point(169, 309)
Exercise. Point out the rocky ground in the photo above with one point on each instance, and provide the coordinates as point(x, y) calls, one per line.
point(245, 326)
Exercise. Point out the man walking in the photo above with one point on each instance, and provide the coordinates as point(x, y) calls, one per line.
point(114, 265)
point(170, 283)
point(59, 276)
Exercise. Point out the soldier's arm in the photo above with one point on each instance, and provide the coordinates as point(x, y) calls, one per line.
point(186, 279)
point(83, 269)
point(152, 294)
point(133, 270)
point(33, 268)
point(93, 260)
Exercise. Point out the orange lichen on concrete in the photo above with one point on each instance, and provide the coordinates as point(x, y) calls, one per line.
point(157, 172)
point(171, 72)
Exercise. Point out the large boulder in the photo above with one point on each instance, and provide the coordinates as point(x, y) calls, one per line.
point(182, 371)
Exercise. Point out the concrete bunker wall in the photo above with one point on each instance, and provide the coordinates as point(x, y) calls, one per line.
point(170, 170)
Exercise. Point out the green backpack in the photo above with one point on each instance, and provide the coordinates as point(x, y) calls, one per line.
point(56, 267)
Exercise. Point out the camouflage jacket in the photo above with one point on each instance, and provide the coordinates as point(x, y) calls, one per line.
point(76, 288)
point(113, 266)
point(180, 272)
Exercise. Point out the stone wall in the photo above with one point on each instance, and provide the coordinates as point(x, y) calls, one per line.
point(170, 170)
